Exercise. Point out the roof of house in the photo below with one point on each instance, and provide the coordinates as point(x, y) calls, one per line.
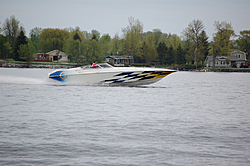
point(123, 58)
point(56, 51)
point(210, 57)
point(42, 53)
point(236, 50)
point(225, 57)
point(119, 57)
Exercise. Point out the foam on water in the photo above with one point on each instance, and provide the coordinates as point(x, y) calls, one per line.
point(22, 80)
point(26, 76)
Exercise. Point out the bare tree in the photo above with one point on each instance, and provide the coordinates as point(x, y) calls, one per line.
point(11, 28)
point(192, 33)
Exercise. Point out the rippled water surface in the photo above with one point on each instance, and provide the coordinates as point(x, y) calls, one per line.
point(188, 118)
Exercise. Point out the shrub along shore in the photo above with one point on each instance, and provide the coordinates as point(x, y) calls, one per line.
point(4, 64)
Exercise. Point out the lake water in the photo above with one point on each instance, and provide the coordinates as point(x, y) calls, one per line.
point(188, 118)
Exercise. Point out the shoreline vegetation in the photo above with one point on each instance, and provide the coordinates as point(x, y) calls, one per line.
point(134, 47)
point(55, 65)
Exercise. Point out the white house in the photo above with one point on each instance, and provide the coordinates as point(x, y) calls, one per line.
point(52, 56)
point(119, 60)
point(236, 57)
point(58, 56)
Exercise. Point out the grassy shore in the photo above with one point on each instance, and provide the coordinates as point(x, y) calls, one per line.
point(232, 69)
point(20, 64)
point(10, 63)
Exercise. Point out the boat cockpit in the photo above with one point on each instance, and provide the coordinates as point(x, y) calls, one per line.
point(98, 66)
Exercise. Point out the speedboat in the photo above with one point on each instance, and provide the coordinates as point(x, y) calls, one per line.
point(106, 74)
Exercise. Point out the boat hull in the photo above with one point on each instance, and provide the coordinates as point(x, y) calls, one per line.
point(114, 76)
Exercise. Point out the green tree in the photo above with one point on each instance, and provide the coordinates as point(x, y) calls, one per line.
point(26, 52)
point(105, 42)
point(180, 56)
point(244, 42)
point(87, 35)
point(116, 44)
point(77, 37)
point(11, 28)
point(158, 35)
point(21, 40)
point(193, 34)
point(3, 39)
point(165, 38)
point(148, 52)
point(151, 39)
point(93, 51)
point(132, 38)
point(96, 33)
point(188, 47)
point(73, 48)
point(162, 51)
point(204, 46)
point(221, 40)
point(74, 45)
point(174, 40)
point(170, 56)
point(34, 36)
point(7, 50)
point(52, 39)
point(145, 35)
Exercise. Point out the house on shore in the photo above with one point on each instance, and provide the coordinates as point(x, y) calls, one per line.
point(119, 60)
point(52, 56)
point(236, 59)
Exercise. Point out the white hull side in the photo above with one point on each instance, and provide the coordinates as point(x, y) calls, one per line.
point(126, 76)
point(100, 79)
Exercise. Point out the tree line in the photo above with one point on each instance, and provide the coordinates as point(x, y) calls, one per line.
point(152, 47)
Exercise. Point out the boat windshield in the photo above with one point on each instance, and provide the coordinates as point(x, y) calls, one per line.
point(98, 66)
point(105, 65)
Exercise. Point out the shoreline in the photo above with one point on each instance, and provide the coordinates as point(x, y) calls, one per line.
point(24, 65)
point(68, 66)
point(241, 70)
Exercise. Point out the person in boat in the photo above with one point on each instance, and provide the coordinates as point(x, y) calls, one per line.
point(93, 65)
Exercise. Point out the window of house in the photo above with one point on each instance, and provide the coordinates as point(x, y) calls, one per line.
point(237, 56)
point(55, 58)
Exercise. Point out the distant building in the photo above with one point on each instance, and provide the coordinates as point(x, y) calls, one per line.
point(42, 57)
point(236, 58)
point(119, 60)
point(52, 56)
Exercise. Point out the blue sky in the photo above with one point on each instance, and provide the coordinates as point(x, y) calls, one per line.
point(110, 16)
